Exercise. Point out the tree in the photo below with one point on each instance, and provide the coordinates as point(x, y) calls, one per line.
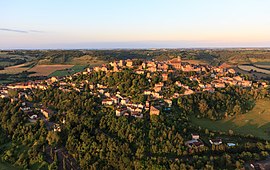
point(53, 138)
point(203, 107)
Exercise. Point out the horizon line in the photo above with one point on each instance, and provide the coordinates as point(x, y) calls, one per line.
point(135, 48)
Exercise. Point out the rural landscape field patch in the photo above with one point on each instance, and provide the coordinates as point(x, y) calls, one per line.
point(45, 70)
point(255, 122)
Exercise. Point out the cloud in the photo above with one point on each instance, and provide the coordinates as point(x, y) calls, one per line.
point(20, 31)
point(36, 31)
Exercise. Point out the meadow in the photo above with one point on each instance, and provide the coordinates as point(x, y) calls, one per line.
point(68, 71)
point(87, 60)
point(256, 122)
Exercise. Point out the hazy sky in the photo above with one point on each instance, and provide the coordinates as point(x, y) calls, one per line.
point(134, 23)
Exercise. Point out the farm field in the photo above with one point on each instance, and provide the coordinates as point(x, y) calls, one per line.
point(256, 122)
point(45, 70)
point(16, 69)
point(68, 71)
point(262, 65)
point(250, 67)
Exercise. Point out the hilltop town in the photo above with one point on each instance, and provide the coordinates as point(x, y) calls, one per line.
point(201, 78)
point(138, 89)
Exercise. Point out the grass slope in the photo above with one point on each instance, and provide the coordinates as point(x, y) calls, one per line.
point(256, 122)
point(69, 71)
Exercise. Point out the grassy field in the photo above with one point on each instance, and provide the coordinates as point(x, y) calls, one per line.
point(69, 71)
point(45, 70)
point(262, 63)
point(87, 60)
point(256, 122)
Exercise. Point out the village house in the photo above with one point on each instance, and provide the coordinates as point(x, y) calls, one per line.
point(175, 63)
point(187, 68)
point(238, 78)
point(231, 71)
point(4, 95)
point(116, 68)
point(53, 79)
point(154, 111)
point(246, 83)
point(209, 89)
point(158, 87)
point(152, 69)
point(194, 143)
point(163, 67)
point(219, 85)
point(169, 102)
point(124, 101)
point(217, 141)
point(107, 102)
point(139, 71)
point(101, 91)
point(147, 105)
point(147, 92)
point(195, 136)
point(115, 99)
point(157, 95)
point(165, 76)
point(136, 114)
point(188, 92)
point(121, 63)
point(129, 63)
point(201, 85)
point(107, 94)
point(20, 86)
point(178, 83)
point(264, 84)
point(120, 111)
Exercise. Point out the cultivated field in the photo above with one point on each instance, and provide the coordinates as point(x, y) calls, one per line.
point(45, 70)
point(265, 65)
point(250, 67)
point(256, 122)
point(16, 69)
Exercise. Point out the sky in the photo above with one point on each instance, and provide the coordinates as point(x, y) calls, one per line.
point(94, 24)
